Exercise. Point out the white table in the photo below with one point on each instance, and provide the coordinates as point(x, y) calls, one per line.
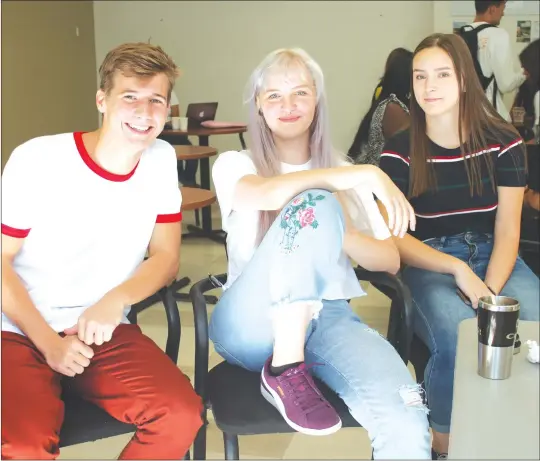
point(495, 419)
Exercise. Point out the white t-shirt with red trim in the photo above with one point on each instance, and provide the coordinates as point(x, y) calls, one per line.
point(86, 230)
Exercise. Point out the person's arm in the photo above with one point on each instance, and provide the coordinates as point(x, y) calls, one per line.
point(254, 192)
point(16, 302)
point(239, 187)
point(158, 270)
point(510, 169)
point(67, 356)
point(506, 237)
point(415, 253)
point(502, 62)
point(395, 119)
point(370, 253)
point(97, 323)
point(532, 199)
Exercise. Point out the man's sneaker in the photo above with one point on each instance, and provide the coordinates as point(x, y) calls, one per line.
point(437, 456)
point(297, 398)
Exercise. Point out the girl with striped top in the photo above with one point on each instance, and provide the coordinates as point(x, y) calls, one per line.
point(463, 169)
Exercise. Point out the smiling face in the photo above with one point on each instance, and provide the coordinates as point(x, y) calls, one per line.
point(435, 83)
point(288, 102)
point(135, 109)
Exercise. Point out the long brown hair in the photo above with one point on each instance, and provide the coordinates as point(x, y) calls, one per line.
point(477, 117)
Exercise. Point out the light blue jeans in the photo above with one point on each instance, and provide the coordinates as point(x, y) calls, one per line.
point(357, 362)
point(439, 310)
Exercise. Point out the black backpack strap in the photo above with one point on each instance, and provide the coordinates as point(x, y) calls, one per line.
point(467, 30)
point(481, 27)
point(495, 91)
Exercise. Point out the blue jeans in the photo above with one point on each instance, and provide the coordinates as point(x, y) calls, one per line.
point(439, 310)
point(357, 362)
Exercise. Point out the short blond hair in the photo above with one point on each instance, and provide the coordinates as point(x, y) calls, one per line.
point(141, 60)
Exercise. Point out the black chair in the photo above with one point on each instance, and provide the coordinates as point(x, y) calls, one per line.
point(234, 394)
point(86, 422)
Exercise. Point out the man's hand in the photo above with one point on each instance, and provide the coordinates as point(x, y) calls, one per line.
point(68, 355)
point(97, 323)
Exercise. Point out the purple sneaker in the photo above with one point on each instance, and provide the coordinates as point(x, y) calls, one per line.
point(297, 398)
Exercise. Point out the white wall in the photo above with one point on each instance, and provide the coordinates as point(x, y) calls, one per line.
point(217, 44)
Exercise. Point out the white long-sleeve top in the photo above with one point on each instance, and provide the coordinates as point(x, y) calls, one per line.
point(495, 58)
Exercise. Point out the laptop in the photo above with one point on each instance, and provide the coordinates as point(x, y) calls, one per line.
point(201, 112)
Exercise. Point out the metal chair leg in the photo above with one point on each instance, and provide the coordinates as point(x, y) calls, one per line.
point(199, 445)
point(231, 446)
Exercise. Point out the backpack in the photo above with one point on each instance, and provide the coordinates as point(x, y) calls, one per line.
point(470, 35)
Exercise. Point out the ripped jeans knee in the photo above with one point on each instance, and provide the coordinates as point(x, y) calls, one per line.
point(413, 396)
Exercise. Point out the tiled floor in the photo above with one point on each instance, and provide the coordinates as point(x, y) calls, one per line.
point(200, 257)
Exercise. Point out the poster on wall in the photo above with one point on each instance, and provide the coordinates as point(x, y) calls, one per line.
point(535, 30)
point(458, 25)
point(523, 32)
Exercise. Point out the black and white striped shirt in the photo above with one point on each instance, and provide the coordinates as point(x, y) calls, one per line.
point(451, 209)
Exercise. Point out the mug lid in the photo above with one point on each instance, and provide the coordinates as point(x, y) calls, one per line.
point(498, 303)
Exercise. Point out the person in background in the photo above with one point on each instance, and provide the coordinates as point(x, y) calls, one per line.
point(80, 211)
point(468, 209)
point(388, 114)
point(495, 54)
point(290, 243)
point(395, 52)
point(528, 95)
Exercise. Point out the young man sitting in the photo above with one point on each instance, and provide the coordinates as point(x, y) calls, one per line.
point(79, 213)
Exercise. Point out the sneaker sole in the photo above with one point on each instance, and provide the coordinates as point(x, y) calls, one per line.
point(273, 399)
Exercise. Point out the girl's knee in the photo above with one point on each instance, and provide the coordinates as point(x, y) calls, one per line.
point(306, 206)
point(314, 209)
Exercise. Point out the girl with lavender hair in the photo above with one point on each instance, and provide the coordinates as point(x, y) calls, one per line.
point(296, 212)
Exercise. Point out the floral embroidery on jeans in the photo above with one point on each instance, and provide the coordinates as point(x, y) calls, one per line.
point(299, 214)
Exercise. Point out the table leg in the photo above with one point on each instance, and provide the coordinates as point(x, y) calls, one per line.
point(242, 142)
point(206, 231)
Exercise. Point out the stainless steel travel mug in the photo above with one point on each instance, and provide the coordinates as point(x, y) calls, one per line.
point(497, 329)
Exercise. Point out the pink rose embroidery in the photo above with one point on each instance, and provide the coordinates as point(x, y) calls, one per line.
point(306, 217)
point(298, 201)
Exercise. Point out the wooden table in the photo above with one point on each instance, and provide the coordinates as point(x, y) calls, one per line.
point(204, 135)
point(202, 154)
point(194, 152)
point(193, 198)
point(495, 419)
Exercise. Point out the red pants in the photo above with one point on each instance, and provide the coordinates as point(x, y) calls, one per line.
point(130, 377)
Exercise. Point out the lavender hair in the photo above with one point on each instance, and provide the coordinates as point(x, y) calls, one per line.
point(262, 147)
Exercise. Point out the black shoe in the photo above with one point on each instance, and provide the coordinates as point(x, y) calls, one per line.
point(435, 455)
